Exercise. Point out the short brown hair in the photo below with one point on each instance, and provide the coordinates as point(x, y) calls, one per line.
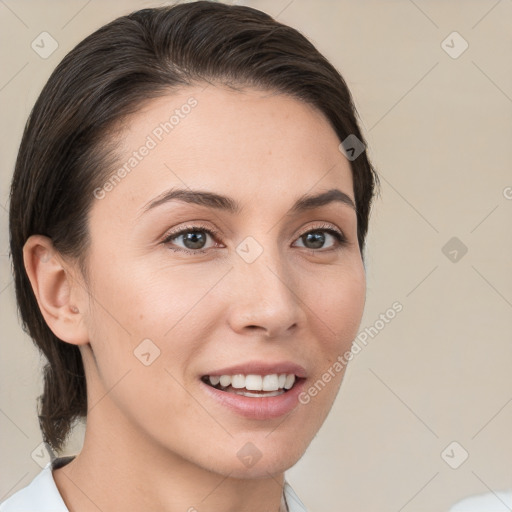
point(66, 148)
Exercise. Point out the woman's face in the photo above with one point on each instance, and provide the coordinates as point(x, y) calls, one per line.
point(257, 282)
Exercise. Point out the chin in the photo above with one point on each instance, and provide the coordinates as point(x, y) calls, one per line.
point(262, 459)
point(261, 469)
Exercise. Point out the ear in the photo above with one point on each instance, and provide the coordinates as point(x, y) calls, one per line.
point(60, 298)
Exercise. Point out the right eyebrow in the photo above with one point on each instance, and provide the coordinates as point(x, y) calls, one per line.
point(208, 199)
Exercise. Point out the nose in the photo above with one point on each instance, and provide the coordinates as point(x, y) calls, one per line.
point(265, 299)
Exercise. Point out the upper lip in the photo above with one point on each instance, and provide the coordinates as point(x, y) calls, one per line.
point(261, 368)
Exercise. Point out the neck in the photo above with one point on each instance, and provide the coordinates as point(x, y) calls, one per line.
point(120, 468)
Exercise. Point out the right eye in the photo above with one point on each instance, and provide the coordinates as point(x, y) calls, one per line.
point(193, 237)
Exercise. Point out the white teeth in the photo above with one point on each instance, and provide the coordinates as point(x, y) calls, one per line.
point(252, 382)
point(270, 383)
point(290, 379)
point(259, 395)
point(238, 381)
point(225, 381)
point(214, 380)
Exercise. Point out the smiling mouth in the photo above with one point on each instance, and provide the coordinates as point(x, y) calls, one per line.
point(254, 386)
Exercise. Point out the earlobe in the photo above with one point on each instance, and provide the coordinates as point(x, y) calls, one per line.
point(55, 290)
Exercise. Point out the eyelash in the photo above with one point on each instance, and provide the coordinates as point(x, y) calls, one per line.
point(338, 235)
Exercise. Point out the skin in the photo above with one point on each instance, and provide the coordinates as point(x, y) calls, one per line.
point(153, 428)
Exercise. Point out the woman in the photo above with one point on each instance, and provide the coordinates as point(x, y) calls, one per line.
point(188, 216)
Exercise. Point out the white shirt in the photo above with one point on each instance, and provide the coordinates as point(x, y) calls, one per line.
point(42, 494)
point(489, 502)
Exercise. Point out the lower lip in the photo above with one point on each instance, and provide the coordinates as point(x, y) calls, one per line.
point(258, 408)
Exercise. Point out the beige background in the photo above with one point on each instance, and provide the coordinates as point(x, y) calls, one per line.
point(439, 131)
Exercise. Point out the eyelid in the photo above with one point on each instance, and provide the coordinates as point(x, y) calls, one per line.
point(325, 226)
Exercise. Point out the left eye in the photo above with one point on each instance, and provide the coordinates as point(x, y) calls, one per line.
point(317, 238)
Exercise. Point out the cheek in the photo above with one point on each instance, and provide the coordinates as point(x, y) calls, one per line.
point(144, 299)
point(335, 311)
point(138, 365)
point(335, 303)
point(133, 302)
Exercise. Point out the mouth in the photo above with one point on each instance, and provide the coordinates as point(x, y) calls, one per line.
point(253, 385)
point(257, 390)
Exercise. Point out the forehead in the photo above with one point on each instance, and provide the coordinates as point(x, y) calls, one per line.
point(257, 146)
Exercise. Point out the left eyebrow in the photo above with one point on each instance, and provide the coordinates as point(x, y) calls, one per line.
point(309, 202)
point(230, 205)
